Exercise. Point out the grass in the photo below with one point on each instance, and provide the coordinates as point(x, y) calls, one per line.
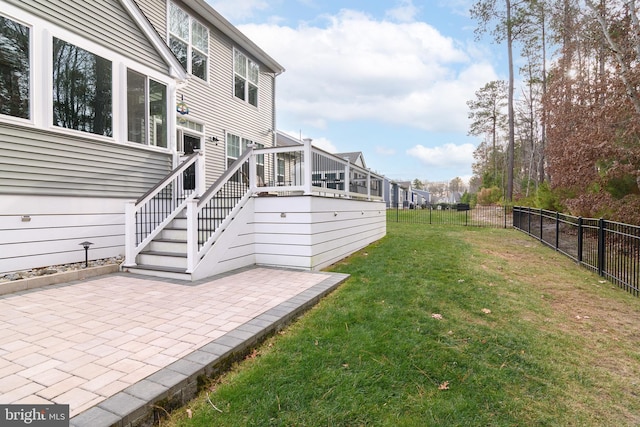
point(444, 326)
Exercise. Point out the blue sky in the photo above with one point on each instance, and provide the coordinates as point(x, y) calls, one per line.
point(390, 78)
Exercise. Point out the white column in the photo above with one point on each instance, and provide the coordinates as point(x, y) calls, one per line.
point(307, 165)
point(130, 234)
point(192, 234)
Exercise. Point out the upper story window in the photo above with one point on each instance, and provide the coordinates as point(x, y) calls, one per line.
point(15, 84)
point(146, 110)
point(82, 90)
point(246, 77)
point(189, 41)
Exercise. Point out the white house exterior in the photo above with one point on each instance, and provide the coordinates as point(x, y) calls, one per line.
point(165, 156)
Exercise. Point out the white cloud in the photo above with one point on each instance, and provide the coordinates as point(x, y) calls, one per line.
point(321, 142)
point(358, 68)
point(444, 156)
point(324, 144)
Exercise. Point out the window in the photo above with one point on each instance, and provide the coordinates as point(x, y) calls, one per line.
point(146, 110)
point(246, 76)
point(189, 41)
point(81, 90)
point(281, 169)
point(14, 68)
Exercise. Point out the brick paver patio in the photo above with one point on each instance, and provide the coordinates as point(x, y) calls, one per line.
point(84, 342)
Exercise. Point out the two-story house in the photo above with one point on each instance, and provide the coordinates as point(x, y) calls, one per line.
point(146, 128)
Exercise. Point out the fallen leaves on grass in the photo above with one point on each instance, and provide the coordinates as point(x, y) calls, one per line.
point(189, 413)
point(486, 311)
point(437, 316)
point(444, 386)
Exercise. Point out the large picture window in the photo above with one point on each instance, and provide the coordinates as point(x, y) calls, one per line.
point(146, 110)
point(189, 41)
point(246, 77)
point(14, 69)
point(82, 90)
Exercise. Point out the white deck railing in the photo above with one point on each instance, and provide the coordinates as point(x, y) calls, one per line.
point(297, 170)
point(285, 170)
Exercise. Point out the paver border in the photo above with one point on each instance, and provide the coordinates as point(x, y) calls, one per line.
point(142, 404)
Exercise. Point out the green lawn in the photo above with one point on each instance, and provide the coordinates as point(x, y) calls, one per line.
point(450, 326)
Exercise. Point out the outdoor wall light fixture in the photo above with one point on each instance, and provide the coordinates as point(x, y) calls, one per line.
point(25, 218)
point(215, 139)
point(283, 215)
point(86, 245)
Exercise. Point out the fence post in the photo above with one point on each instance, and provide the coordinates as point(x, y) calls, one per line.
point(430, 209)
point(529, 220)
point(505, 215)
point(466, 218)
point(601, 247)
point(580, 241)
point(541, 226)
point(557, 230)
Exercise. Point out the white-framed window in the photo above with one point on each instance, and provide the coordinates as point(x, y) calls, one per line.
point(15, 69)
point(82, 89)
point(246, 75)
point(146, 110)
point(80, 86)
point(189, 42)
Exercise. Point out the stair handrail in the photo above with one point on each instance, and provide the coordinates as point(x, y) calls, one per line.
point(168, 178)
point(217, 185)
point(196, 231)
point(136, 240)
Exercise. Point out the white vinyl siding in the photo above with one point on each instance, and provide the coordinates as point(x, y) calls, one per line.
point(47, 163)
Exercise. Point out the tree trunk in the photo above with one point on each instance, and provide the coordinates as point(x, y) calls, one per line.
point(511, 147)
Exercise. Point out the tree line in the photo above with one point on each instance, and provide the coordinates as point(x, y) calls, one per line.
point(568, 137)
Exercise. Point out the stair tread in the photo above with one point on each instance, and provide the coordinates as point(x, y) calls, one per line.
point(172, 254)
point(159, 268)
point(170, 240)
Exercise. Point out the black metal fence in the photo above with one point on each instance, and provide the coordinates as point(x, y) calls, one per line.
point(452, 214)
point(609, 248)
